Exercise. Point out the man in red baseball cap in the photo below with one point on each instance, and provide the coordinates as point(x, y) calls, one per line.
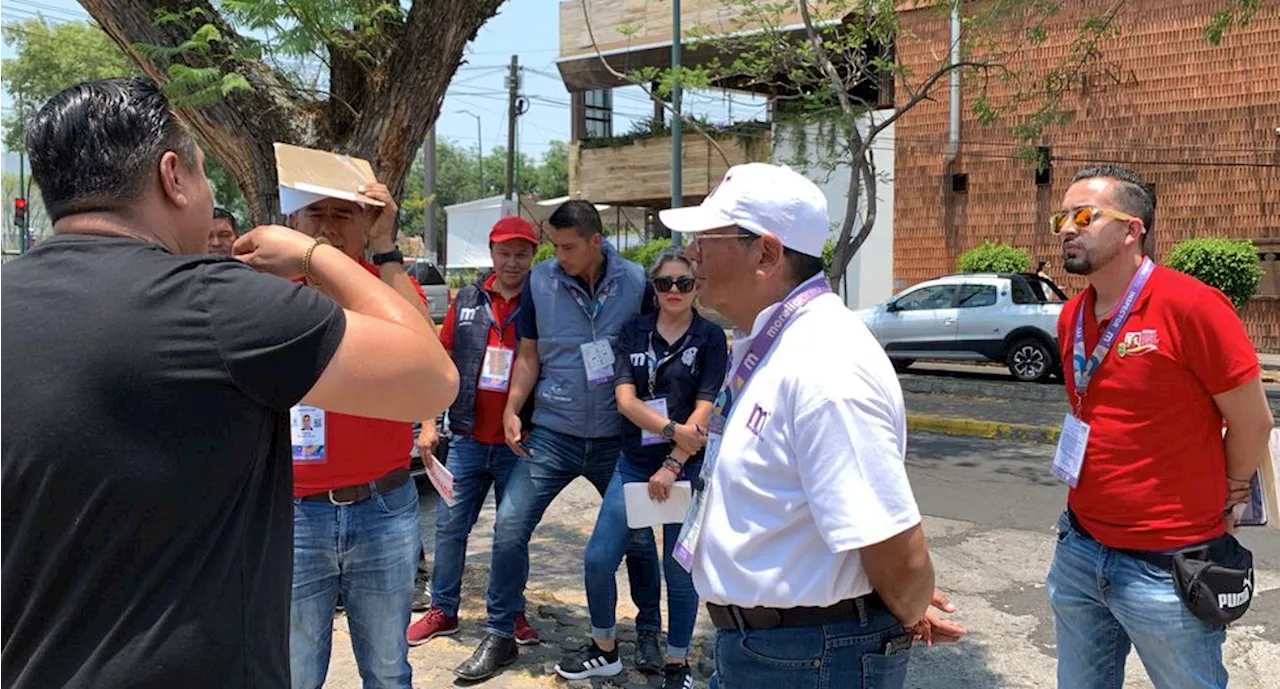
point(480, 333)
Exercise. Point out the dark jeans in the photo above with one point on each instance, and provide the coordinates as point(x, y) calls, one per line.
point(848, 654)
point(609, 541)
point(366, 553)
point(556, 460)
point(476, 467)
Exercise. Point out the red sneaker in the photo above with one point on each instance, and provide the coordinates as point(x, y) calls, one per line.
point(526, 635)
point(429, 626)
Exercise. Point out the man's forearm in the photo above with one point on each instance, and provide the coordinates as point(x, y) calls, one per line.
point(394, 276)
point(523, 377)
point(1246, 448)
point(901, 572)
point(355, 289)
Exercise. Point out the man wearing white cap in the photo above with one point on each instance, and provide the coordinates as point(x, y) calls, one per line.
point(804, 539)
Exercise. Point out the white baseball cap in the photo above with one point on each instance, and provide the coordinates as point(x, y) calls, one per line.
point(765, 200)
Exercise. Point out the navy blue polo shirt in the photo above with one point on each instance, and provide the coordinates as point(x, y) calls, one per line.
point(694, 372)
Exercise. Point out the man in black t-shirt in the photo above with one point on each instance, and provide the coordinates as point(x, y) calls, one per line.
point(139, 551)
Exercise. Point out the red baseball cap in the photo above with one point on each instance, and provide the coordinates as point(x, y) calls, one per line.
point(512, 227)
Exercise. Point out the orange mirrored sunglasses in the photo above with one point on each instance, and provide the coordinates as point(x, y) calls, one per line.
point(1083, 217)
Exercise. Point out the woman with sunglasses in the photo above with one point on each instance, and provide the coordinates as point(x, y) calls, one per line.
point(669, 367)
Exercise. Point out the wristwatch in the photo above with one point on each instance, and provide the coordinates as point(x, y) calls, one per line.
point(669, 431)
point(393, 256)
point(673, 465)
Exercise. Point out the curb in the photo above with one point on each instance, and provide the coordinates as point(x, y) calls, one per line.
point(990, 430)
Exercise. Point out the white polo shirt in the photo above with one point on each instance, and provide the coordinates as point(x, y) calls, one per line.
point(810, 468)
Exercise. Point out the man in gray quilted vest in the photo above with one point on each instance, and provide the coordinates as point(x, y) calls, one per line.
point(571, 312)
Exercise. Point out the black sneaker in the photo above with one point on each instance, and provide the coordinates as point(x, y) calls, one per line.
point(590, 661)
point(422, 592)
point(649, 658)
point(677, 676)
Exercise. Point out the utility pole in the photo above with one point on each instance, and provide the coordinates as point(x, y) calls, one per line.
point(428, 192)
point(677, 148)
point(479, 149)
point(513, 92)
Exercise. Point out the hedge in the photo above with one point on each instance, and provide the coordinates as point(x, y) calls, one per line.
point(994, 257)
point(1230, 265)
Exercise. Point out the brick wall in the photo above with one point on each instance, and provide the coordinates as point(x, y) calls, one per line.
point(1199, 121)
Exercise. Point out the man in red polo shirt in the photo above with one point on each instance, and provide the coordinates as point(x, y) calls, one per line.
point(1154, 362)
point(356, 533)
point(480, 332)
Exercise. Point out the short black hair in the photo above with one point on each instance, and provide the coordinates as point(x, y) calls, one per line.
point(580, 215)
point(801, 266)
point(94, 146)
point(1132, 195)
point(220, 213)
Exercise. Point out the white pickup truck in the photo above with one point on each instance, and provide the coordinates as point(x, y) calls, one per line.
point(1007, 317)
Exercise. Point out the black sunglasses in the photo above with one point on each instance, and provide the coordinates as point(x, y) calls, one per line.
point(683, 283)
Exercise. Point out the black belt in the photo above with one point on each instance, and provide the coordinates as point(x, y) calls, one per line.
point(1163, 560)
point(363, 491)
point(743, 619)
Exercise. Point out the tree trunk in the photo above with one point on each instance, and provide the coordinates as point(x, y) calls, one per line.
point(380, 113)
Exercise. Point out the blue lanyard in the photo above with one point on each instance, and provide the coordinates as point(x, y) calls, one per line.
point(602, 295)
point(494, 324)
point(656, 364)
point(1082, 368)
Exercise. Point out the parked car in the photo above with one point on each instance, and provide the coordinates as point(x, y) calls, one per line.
point(433, 284)
point(1008, 317)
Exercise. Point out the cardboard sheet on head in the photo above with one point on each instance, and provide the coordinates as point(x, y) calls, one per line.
point(308, 175)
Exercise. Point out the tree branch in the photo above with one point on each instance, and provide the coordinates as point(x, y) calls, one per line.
point(586, 19)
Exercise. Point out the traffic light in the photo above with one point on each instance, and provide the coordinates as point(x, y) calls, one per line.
point(20, 211)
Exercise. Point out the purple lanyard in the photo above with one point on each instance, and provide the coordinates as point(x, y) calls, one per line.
point(1083, 369)
point(761, 345)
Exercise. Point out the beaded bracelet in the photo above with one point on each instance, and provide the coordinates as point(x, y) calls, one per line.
point(308, 277)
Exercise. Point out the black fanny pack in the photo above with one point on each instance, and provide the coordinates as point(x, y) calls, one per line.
point(1214, 579)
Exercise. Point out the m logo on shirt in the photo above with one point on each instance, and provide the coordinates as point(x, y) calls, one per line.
point(755, 422)
point(1138, 343)
point(637, 359)
point(466, 315)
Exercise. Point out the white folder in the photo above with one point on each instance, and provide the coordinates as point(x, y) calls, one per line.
point(643, 512)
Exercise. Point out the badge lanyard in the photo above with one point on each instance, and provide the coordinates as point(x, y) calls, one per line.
point(592, 310)
point(1083, 369)
point(731, 391)
point(494, 324)
point(656, 364)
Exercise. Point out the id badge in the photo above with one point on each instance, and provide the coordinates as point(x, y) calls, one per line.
point(646, 438)
point(307, 433)
point(597, 358)
point(687, 542)
point(495, 372)
point(1069, 457)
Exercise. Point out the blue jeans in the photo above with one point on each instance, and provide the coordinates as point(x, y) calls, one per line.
point(368, 552)
point(850, 655)
point(1104, 600)
point(555, 461)
point(475, 467)
point(608, 543)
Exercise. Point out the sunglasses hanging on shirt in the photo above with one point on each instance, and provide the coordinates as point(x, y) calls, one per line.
point(683, 283)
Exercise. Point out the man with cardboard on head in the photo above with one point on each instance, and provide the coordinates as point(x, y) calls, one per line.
point(356, 516)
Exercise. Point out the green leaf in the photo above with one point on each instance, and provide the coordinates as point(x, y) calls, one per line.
point(994, 257)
